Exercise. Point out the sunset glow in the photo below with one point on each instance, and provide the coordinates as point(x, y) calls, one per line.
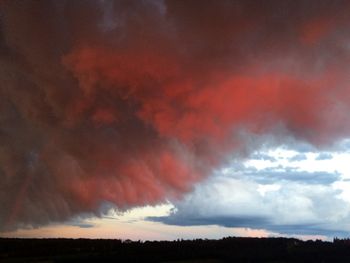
point(165, 119)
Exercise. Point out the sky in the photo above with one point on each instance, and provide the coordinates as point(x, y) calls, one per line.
point(174, 119)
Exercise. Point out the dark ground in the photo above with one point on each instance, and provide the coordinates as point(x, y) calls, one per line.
point(229, 249)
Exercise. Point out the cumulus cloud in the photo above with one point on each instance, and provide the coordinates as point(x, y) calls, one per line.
point(279, 199)
point(132, 102)
point(317, 209)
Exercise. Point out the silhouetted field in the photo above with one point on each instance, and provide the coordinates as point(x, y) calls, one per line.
point(231, 249)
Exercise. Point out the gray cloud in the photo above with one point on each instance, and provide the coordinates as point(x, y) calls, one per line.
point(276, 174)
point(254, 223)
point(324, 156)
point(227, 221)
point(262, 156)
point(297, 158)
point(271, 175)
point(80, 224)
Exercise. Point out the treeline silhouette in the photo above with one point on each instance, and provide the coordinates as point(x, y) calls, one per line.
point(230, 249)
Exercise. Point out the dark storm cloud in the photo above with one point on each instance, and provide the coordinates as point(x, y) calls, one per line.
point(132, 102)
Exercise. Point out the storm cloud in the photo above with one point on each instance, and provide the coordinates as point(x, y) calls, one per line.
point(133, 102)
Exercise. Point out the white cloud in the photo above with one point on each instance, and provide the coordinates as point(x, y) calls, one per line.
point(305, 196)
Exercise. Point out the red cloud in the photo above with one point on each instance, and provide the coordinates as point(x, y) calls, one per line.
point(135, 105)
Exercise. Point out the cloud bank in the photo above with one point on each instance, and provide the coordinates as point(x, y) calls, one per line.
point(132, 102)
point(280, 199)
